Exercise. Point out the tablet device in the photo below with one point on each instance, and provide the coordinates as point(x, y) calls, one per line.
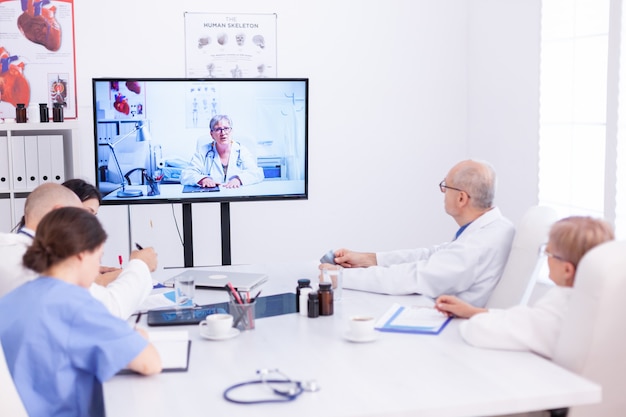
point(269, 306)
point(198, 189)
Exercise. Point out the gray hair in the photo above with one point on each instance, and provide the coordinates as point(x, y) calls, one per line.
point(218, 118)
point(478, 180)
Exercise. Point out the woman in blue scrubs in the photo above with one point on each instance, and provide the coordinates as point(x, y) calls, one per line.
point(61, 343)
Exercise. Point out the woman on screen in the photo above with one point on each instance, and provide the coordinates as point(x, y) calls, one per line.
point(221, 161)
point(59, 341)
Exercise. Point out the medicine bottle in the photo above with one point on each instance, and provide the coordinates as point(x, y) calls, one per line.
point(313, 305)
point(57, 112)
point(20, 113)
point(44, 116)
point(304, 300)
point(302, 283)
point(325, 294)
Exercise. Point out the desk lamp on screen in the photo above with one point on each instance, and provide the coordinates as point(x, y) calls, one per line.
point(143, 135)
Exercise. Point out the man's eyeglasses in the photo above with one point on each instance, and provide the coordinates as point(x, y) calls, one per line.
point(221, 129)
point(443, 186)
point(546, 252)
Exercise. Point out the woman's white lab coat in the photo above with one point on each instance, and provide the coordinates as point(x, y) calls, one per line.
point(206, 163)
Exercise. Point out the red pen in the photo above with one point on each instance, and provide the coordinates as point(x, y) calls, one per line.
point(235, 294)
point(119, 258)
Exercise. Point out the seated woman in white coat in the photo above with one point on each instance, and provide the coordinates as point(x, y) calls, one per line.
point(222, 161)
point(534, 328)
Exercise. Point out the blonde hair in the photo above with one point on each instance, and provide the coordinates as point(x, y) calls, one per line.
point(570, 238)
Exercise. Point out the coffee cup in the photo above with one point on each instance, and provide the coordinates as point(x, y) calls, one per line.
point(217, 325)
point(361, 327)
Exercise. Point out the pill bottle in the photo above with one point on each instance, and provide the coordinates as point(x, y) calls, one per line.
point(302, 283)
point(304, 300)
point(313, 305)
point(20, 113)
point(44, 116)
point(325, 294)
point(57, 112)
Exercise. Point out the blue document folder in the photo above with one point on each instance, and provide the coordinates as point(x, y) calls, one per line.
point(412, 319)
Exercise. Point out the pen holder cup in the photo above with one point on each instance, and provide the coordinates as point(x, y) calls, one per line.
point(154, 188)
point(243, 314)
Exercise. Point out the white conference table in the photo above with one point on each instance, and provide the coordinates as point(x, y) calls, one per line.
point(396, 375)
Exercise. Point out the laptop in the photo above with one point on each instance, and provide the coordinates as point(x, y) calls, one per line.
point(242, 281)
point(198, 189)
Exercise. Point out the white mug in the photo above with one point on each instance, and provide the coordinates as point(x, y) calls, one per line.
point(217, 324)
point(361, 326)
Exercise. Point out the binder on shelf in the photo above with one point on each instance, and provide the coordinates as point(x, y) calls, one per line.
point(57, 160)
point(19, 163)
point(32, 162)
point(4, 164)
point(44, 151)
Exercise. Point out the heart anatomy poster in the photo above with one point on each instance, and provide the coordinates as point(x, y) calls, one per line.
point(220, 45)
point(37, 62)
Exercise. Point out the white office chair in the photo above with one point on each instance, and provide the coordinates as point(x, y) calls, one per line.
point(593, 341)
point(10, 401)
point(524, 263)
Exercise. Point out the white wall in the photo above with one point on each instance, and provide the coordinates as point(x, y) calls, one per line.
point(503, 96)
point(399, 91)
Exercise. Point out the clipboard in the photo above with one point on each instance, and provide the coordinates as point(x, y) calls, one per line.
point(412, 319)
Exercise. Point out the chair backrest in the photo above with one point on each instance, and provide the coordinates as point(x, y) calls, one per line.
point(10, 401)
point(592, 342)
point(203, 141)
point(130, 155)
point(524, 263)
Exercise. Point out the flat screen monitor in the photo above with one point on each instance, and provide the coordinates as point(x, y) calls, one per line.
point(191, 140)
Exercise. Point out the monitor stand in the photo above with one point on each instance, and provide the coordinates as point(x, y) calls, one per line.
point(188, 234)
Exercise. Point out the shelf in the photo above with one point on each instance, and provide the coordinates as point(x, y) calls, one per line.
point(20, 127)
point(53, 140)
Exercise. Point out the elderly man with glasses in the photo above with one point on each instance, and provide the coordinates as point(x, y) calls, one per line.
point(469, 266)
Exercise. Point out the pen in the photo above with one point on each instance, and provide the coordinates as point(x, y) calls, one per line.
point(119, 258)
point(137, 319)
point(255, 297)
point(138, 246)
point(234, 293)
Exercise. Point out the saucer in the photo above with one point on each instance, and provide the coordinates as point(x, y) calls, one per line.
point(360, 339)
point(231, 333)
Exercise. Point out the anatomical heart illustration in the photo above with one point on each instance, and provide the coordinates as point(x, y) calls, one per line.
point(39, 25)
point(14, 87)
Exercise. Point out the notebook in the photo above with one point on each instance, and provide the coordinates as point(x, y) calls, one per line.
point(197, 189)
point(173, 348)
point(242, 281)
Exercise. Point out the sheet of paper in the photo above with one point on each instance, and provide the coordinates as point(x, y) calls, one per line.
point(173, 347)
point(412, 319)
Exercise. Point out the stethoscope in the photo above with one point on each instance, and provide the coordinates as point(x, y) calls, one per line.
point(286, 389)
point(24, 232)
point(212, 152)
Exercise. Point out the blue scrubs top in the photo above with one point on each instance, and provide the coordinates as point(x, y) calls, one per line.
point(60, 345)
